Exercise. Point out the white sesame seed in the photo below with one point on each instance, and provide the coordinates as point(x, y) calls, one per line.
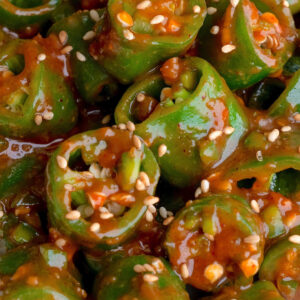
point(41, 57)
point(211, 10)
point(122, 126)
point(286, 3)
point(228, 48)
point(95, 227)
point(198, 192)
point(73, 215)
point(149, 268)
point(273, 135)
point(215, 134)
point(136, 142)
point(150, 200)
point(145, 178)
point(152, 208)
point(162, 150)
point(130, 126)
point(87, 174)
point(61, 161)
point(255, 206)
point(68, 187)
point(149, 216)
point(295, 239)
point(163, 212)
point(144, 4)
point(48, 115)
point(297, 117)
point(157, 19)
point(80, 56)
point(128, 34)
point(168, 220)
point(184, 271)
point(1, 213)
point(205, 185)
point(94, 15)
point(66, 50)
point(196, 9)
point(150, 278)
point(140, 97)
point(63, 37)
point(60, 242)
point(286, 128)
point(103, 209)
point(106, 119)
point(213, 272)
point(228, 130)
point(139, 185)
point(215, 29)
point(106, 215)
point(38, 119)
point(89, 35)
point(252, 239)
point(95, 170)
point(209, 236)
point(139, 268)
point(259, 155)
point(234, 3)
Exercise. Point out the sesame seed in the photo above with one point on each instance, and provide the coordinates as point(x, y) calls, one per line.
point(130, 126)
point(149, 268)
point(48, 115)
point(297, 117)
point(252, 239)
point(152, 208)
point(61, 161)
point(205, 185)
point(80, 56)
point(158, 265)
point(184, 271)
point(286, 128)
point(150, 278)
point(157, 19)
point(63, 37)
point(106, 215)
point(209, 236)
point(273, 135)
point(234, 3)
point(213, 272)
point(211, 10)
point(94, 15)
point(106, 119)
point(163, 212)
point(162, 150)
point(168, 221)
point(122, 126)
point(136, 142)
point(87, 174)
point(95, 227)
point(228, 48)
point(60, 242)
point(89, 35)
point(139, 268)
point(286, 3)
point(249, 267)
point(215, 29)
point(128, 35)
point(73, 215)
point(295, 239)
point(214, 135)
point(140, 97)
point(1, 213)
point(149, 216)
point(66, 50)
point(145, 178)
point(139, 185)
point(95, 170)
point(41, 57)
point(144, 4)
point(255, 206)
point(103, 209)
point(259, 155)
point(38, 119)
point(196, 9)
point(198, 192)
point(125, 18)
point(150, 200)
point(228, 130)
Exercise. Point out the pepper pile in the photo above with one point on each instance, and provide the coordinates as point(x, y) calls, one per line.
point(149, 149)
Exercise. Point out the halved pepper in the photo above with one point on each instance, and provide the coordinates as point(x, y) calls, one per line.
point(254, 39)
point(36, 98)
point(195, 105)
point(91, 79)
point(17, 15)
point(218, 239)
point(130, 280)
point(137, 38)
point(94, 186)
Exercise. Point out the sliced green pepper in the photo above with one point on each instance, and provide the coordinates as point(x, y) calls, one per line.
point(112, 198)
point(130, 282)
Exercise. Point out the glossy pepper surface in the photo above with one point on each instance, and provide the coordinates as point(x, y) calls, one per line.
point(98, 174)
point(195, 102)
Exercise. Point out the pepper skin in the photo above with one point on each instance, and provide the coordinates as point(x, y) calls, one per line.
point(110, 194)
point(129, 284)
point(261, 34)
point(26, 13)
point(281, 266)
point(133, 42)
point(219, 239)
point(91, 80)
point(45, 276)
point(184, 126)
point(36, 99)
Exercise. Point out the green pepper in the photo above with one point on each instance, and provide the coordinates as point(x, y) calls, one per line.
point(46, 275)
point(135, 39)
point(36, 100)
point(218, 239)
point(254, 40)
point(281, 265)
point(18, 14)
point(185, 126)
point(99, 168)
point(133, 280)
point(92, 81)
